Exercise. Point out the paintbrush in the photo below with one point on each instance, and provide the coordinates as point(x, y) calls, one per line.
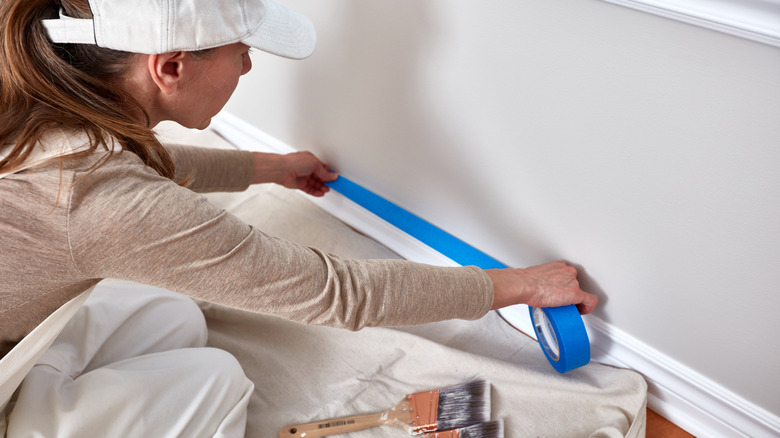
point(422, 412)
point(491, 429)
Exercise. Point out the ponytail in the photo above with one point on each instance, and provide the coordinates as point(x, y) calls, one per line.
point(45, 85)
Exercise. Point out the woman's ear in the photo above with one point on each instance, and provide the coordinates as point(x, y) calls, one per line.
point(166, 70)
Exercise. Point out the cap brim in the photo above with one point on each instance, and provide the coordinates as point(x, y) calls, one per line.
point(283, 32)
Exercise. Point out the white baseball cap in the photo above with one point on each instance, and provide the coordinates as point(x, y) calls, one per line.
point(161, 26)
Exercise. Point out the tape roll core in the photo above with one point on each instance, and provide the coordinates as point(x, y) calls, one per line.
point(545, 333)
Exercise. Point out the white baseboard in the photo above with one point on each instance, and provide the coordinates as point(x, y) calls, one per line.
point(682, 395)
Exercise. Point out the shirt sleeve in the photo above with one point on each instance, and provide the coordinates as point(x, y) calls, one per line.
point(127, 222)
point(212, 170)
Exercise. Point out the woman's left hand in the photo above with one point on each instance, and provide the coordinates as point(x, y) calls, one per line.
point(299, 170)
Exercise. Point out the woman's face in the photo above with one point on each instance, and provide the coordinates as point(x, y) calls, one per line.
point(213, 82)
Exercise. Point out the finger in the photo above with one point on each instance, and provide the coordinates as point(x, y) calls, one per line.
point(318, 192)
point(315, 187)
point(325, 174)
point(588, 304)
point(317, 168)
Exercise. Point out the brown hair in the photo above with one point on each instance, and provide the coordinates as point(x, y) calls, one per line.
point(45, 85)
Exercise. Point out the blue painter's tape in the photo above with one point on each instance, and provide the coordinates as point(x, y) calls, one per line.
point(438, 239)
point(561, 334)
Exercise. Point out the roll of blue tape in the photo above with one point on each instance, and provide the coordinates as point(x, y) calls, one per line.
point(561, 335)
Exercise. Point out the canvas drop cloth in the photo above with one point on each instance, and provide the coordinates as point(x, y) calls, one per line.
point(304, 374)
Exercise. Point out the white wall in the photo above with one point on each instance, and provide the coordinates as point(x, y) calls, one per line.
point(642, 149)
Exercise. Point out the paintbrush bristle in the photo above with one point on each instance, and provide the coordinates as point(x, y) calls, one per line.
point(463, 405)
point(491, 429)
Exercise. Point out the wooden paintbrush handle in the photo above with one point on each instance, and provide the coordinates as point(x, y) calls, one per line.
point(335, 426)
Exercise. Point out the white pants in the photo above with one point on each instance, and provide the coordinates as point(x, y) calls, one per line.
point(133, 363)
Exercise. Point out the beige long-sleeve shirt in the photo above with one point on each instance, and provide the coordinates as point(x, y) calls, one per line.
point(125, 221)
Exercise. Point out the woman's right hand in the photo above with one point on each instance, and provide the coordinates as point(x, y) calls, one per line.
point(548, 285)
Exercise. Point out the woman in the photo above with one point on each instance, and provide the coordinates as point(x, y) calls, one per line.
point(89, 193)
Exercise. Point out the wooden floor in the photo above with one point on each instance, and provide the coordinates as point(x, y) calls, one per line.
point(660, 427)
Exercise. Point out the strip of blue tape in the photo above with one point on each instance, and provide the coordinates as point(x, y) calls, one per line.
point(566, 322)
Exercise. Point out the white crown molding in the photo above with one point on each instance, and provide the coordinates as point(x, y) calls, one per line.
point(757, 20)
point(690, 400)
